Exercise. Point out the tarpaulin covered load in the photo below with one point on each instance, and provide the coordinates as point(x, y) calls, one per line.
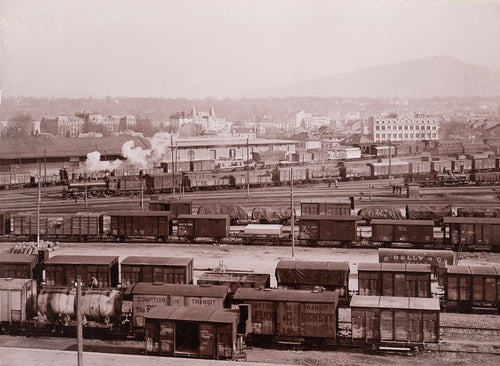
point(271, 214)
point(237, 213)
point(380, 212)
point(478, 212)
point(427, 212)
point(326, 274)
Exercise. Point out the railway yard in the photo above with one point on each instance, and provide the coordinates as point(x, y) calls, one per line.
point(463, 338)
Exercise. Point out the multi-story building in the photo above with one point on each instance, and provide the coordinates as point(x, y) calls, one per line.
point(207, 120)
point(407, 127)
point(62, 126)
point(308, 121)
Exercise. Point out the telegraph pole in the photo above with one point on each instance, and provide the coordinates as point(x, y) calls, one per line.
point(38, 205)
point(173, 167)
point(390, 159)
point(248, 172)
point(79, 326)
point(292, 221)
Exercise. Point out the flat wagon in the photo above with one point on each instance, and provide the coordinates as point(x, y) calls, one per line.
point(136, 269)
point(188, 332)
point(62, 270)
point(290, 315)
point(306, 275)
point(400, 322)
point(394, 279)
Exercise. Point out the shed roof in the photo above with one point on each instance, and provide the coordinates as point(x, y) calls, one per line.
point(233, 277)
point(13, 283)
point(193, 314)
point(416, 252)
point(147, 288)
point(313, 265)
point(458, 270)
point(157, 261)
point(201, 216)
point(18, 258)
point(82, 259)
point(471, 220)
point(139, 213)
point(369, 267)
point(483, 270)
point(416, 267)
point(285, 295)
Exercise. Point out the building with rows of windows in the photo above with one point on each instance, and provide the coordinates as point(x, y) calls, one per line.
point(407, 127)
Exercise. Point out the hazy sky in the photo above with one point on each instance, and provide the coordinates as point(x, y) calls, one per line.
point(224, 47)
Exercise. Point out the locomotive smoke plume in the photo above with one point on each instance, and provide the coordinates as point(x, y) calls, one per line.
point(95, 164)
point(146, 158)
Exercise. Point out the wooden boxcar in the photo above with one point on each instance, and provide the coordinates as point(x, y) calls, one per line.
point(235, 280)
point(394, 279)
point(156, 269)
point(472, 288)
point(203, 226)
point(325, 207)
point(147, 296)
point(331, 228)
point(62, 270)
point(188, 332)
point(394, 321)
point(417, 232)
point(472, 232)
point(437, 259)
point(19, 266)
point(290, 315)
point(163, 183)
point(153, 224)
point(17, 300)
point(78, 225)
point(306, 275)
point(381, 170)
point(176, 207)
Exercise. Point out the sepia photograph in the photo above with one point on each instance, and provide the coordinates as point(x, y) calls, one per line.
point(249, 182)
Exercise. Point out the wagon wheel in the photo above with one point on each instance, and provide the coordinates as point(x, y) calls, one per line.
point(68, 195)
point(106, 194)
point(93, 194)
point(80, 195)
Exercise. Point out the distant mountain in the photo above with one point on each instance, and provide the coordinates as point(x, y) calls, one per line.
point(439, 76)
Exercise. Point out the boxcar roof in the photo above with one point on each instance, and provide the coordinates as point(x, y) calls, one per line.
point(416, 252)
point(285, 295)
point(18, 258)
point(193, 314)
point(402, 222)
point(314, 265)
point(471, 220)
point(369, 267)
point(157, 288)
point(233, 276)
point(12, 283)
point(417, 267)
point(169, 200)
point(389, 267)
point(202, 216)
point(82, 259)
point(423, 303)
point(483, 270)
point(365, 301)
point(157, 261)
point(138, 213)
point(458, 269)
point(330, 217)
point(326, 200)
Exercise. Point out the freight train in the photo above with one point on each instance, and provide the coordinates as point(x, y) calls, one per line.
point(304, 309)
point(385, 225)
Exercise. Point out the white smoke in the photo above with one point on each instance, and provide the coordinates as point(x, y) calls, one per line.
point(147, 158)
point(95, 164)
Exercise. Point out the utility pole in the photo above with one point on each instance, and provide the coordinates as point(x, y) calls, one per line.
point(292, 216)
point(248, 171)
point(86, 203)
point(44, 172)
point(38, 205)
point(79, 326)
point(173, 166)
point(390, 159)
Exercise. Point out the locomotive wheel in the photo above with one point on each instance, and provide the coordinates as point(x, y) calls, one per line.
point(93, 194)
point(106, 194)
point(68, 196)
point(80, 195)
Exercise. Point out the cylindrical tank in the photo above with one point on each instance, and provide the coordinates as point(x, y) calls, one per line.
point(103, 304)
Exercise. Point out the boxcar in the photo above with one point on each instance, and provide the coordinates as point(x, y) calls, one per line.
point(235, 280)
point(153, 224)
point(331, 228)
point(381, 170)
point(441, 165)
point(78, 225)
point(437, 259)
point(291, 315)
point(461, 165)
point(17, 300)
point(394, 321)
point(176, 207)
point(417, 232)
point(187, 332)
point(394, 279)
point(62, 270)
point(203, 226)
point(146, 296)
point(472, 232)
point(306, 275)
point(419, 167)
point(472, 288)
point(164, 182)
point(156, 269)
point(325, 207)
point(19, 266)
